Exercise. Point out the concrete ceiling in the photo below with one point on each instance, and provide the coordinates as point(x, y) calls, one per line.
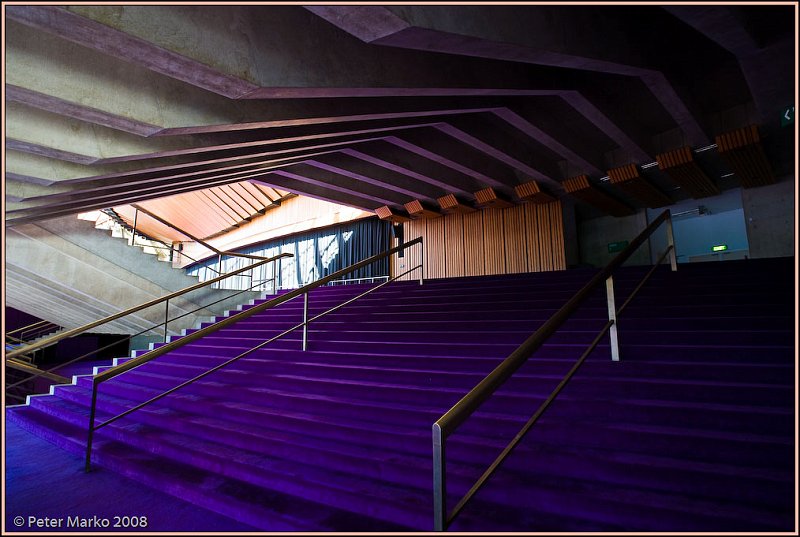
point(373, 106)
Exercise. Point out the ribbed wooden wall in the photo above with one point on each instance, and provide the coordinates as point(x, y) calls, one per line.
point(523, 238)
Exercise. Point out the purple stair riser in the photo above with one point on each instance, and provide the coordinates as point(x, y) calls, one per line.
point(692, 430)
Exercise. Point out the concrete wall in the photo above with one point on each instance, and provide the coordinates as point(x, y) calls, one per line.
point(594, 236)
point(721, 221)
point(770, 216)
point(70, 275)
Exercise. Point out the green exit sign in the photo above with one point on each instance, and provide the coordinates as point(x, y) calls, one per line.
point(719, 248)
point(787, 116)
point(617, 246)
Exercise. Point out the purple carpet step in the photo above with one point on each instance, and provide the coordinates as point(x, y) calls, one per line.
point(370, 415)
point(519, 391)
point(396, 466)
point(530, 323)
point(691, 431)
point(254, 505)
point(272, 362)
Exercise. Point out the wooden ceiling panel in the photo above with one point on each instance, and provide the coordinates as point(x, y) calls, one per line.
point(581, 188)
point(629, 180)
point(744, 153)
point(684, 170)
point(223, 207)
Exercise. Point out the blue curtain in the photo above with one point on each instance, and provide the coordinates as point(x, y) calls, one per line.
point(316, 253)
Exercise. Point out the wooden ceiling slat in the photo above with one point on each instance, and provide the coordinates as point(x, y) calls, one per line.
point(223, 207)
point(214, 221)
point(223, 193)
point(219, 205)
point(242, 192)
point(264, 190)
point(278, 193)
point(262, 198)
point(182, 213)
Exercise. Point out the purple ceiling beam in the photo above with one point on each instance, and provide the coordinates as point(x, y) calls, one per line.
point(523, 125)
point(447, 162)
point(300, 151)
point(495, 153)
point(770, 80)
point(391, 32)
point(367, 23)
point(29, 179)
point(61, 107)
point(260, 143)
point(337, 188)
point(330, 120)
point(48, 152)
point(719, 24)
point(405, 171)
point(602, 122)
point(183, 182)
point(341, 93)
point(369, 180)
point(126, 197)
point(89, 33)
point(266, 181)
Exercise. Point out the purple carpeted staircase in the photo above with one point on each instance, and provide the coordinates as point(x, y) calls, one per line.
point(693, 430)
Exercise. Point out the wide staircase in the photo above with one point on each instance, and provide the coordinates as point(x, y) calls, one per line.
point(692, 430)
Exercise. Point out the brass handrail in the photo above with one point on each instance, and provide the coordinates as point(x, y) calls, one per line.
point(132, 229)
point(36, 328)
point(37, 324)
point(197, 240)
point(27, 368)
point(164, 349)
point(453, 418)
point(75, 331)
point(129, 337)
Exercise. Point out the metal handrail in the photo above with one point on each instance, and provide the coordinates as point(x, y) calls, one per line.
point(27, 368)
point(371, 278)
point(169, 347)
point(148, 329)
point(75, 331)
point(453, 418)
point(132, 229)
point(36, 329)
point(28, 327)
point(197, 240)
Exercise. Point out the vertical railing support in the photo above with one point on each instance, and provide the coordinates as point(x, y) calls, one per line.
point(133, 235)
point(612, 316)
point(91, 428)
point(421, 262)
point(305, 321)
point(219, 270)
point(166, 320)
point(439, 485)
point(673, 261)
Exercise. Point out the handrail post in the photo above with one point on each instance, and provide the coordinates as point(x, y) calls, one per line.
point(133, 233)
point(219, 270)
point(612, 316)
point(421, 262)
point(166, 320)
point(305, 321)
point(91, 427)
point(673, 262)
point(439, 485)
